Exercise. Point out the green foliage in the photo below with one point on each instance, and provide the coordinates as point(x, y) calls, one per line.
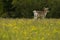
point(24, 8)
point(54, 8)
point(1, 7)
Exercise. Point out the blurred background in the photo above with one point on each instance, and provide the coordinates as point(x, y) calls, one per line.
point(24, 8)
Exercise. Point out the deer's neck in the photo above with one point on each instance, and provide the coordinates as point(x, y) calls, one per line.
point(45, 12)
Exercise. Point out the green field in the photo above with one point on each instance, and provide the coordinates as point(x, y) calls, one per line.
point(29, 29)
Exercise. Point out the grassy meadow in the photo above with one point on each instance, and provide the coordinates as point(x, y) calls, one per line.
point(29, 29)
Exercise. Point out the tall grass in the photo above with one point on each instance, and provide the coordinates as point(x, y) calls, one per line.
point(29, 29)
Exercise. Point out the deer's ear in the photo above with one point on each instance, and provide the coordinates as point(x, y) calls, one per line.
point(45, 7)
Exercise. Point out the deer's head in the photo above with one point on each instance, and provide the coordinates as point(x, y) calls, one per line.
point(46, 9)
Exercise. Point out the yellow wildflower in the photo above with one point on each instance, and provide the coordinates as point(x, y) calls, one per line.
point(25, 33)
point(55, 30)
point(34, 28)
point(42, 38)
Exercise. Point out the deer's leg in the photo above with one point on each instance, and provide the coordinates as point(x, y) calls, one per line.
point(42, 17)
point(35, 16)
